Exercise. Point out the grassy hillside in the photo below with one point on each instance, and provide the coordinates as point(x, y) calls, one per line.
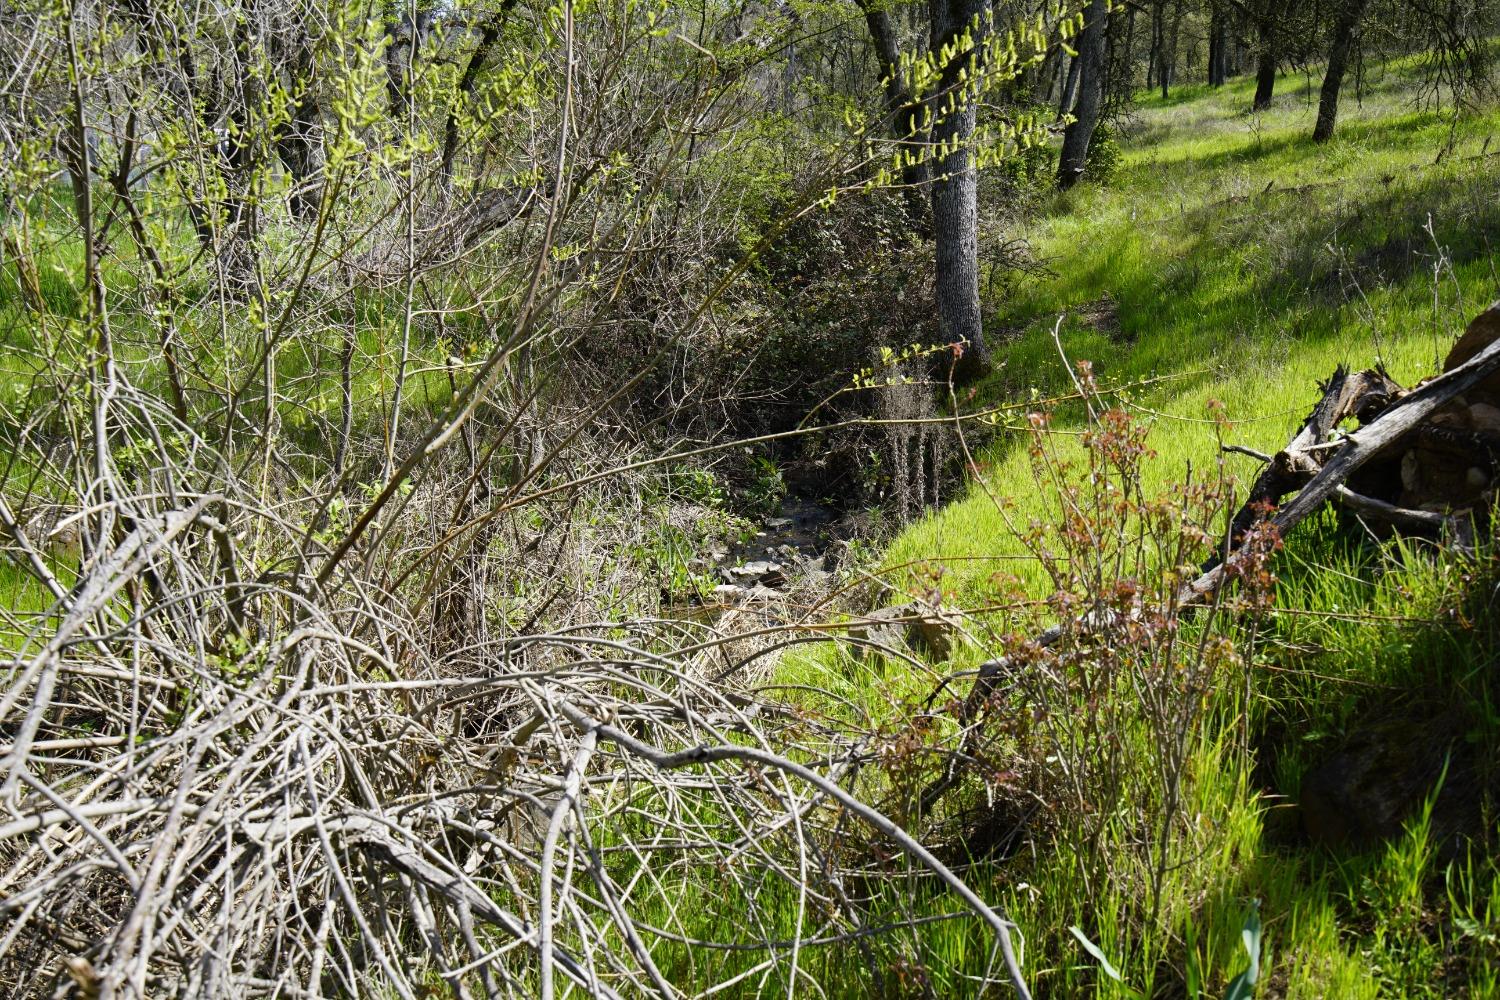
point(1238, 261)
point(1228, 266)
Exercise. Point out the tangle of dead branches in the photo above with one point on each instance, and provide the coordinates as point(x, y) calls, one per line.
point(224, 776)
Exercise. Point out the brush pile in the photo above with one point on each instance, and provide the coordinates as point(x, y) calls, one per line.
point(244, 757)
point(1423, 460)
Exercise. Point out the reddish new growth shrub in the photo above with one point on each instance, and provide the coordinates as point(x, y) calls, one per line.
point(1089, 719)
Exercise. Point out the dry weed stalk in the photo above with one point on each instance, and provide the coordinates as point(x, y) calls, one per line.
point(225, 776)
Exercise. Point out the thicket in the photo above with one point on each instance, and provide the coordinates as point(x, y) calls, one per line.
point(373, 370)
point(364, 363)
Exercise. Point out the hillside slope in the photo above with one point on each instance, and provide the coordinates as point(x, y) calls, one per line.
point(1237, 261)
point(1228, 267)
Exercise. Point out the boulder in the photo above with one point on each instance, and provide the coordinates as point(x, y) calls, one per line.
point(1454, 458)
point(935, 630)
point(1366, 790)
point(879, 628)
point(1481, 332)
point(916, 625)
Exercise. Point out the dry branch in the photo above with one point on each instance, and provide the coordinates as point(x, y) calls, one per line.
point(1316, 463)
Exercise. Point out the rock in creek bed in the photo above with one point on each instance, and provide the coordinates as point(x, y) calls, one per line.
point(915, 626)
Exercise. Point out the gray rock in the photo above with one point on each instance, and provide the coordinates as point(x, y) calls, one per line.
point(814, 577)
point(876, 629)
point(762, 571)
point(915, 626)
point(935, 630)
point(730, 593)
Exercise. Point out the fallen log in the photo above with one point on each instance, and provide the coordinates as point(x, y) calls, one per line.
point(1370, 506)
point(1362, 396)
point(1390, 419)
point(1384, 432)
point(1401, 517)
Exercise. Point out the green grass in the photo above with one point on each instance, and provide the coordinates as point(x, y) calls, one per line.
point(218, 343)
point(1229, 260)
point(1233, 262)
point(1235, 293)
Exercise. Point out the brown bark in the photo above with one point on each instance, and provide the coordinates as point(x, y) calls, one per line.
point(1076, 140)
point(1350, 14)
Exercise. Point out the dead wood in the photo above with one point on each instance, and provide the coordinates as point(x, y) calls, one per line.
point(1401, 517)
point(1316, 463)
point(1361, 396)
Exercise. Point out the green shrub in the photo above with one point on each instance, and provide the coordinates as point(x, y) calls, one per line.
point(1104, 155)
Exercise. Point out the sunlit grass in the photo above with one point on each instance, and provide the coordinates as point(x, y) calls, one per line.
point(1236, 262)
point(1227, 291)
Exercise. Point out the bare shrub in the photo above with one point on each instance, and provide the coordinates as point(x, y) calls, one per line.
point(342, 376)
point(1082, 737)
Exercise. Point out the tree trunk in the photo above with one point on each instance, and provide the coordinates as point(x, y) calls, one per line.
point(1169, 51)
point(1213, 50)
point(1265, 65)
point(1223, 65)
point(488, 35)
point(200, 107)
point(1153, 61)
point(955, 188)
point(1070, 89)
point(903, 112)
point(1075, 146)
point(1056, 75)
point(297, 143)
point(1338, 61)
point(241, 207)
point(407, 35)
point(1218, 59)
